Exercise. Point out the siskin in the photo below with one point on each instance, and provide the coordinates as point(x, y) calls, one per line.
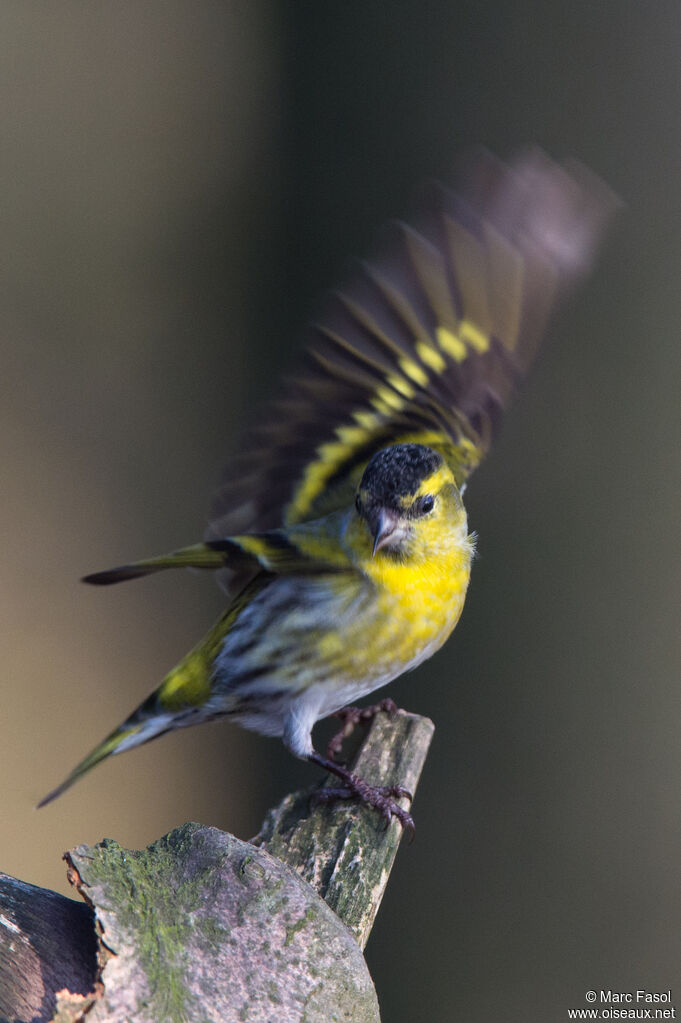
point(340, 533)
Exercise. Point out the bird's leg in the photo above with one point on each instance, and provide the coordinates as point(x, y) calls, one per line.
point(381, 797)
point(351, 716)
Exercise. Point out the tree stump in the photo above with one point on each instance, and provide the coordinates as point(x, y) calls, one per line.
point(202, 927)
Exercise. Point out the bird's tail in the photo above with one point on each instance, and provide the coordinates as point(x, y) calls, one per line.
point(200, 555)
point(132, 732)
point(179, 701)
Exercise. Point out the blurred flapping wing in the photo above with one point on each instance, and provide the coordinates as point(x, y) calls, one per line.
point(425, 344)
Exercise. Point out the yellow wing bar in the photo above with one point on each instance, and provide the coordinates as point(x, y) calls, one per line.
point(425, 344)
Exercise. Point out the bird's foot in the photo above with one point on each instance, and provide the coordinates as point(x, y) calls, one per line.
point(351, 717)
point(380, 797)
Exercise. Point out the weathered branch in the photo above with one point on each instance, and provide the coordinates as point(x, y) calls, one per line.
point(347, 853)
point(201, 926)
point(47, 943)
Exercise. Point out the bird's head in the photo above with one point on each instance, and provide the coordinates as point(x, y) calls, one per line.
point(410, 502)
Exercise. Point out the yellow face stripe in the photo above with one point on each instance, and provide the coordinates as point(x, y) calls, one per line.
point(462, 457)
point(435, 482)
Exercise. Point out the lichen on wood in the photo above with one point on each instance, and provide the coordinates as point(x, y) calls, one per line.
point(202, 927)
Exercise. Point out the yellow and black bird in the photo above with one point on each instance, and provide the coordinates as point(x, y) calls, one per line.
point(340, 532)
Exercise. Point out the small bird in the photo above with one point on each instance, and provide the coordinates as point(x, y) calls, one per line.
point(339, 533)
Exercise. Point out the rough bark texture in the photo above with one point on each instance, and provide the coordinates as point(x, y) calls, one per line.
point(47, 943)
point(202, 927)
point(346, 852)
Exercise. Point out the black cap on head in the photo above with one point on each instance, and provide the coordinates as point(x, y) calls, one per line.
point(399, 471)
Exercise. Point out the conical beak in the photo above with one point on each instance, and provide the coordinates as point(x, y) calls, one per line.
point(387, 525)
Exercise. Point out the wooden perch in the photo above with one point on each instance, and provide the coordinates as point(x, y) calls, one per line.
point(47, 943)
point(347, 853)
point(202, 927)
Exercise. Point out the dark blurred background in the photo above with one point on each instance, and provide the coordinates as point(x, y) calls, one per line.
point(179, 183)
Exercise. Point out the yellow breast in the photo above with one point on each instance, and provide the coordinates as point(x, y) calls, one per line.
point(423, 601)
point(414, 610)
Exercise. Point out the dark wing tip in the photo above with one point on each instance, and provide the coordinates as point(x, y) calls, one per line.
point(54, 794)
point(562, 209)
point(115, 575)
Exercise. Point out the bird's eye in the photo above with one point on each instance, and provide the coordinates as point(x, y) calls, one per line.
point(425, 505)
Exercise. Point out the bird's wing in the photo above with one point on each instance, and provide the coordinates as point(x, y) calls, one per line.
point(425, 344)
point(304, 550)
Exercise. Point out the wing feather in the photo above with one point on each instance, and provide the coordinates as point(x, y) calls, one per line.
point(426, 343)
